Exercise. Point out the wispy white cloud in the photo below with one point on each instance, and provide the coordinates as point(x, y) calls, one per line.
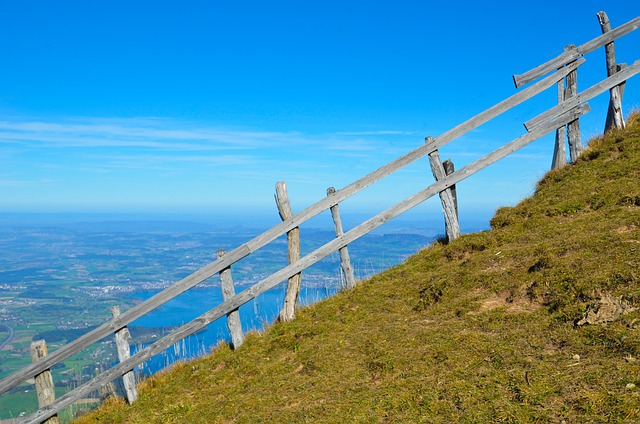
point(13, 183)
point(374, 133)
point(152, 134)
point(172, 135)
point(24, 183)
point(153, 156)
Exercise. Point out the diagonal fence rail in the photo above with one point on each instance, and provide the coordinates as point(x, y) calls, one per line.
point(566, 112)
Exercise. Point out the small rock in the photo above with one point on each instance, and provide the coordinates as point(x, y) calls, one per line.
point(576, 357)
point(631, 386)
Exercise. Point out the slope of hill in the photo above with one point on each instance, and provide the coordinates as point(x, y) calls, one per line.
point(532, 321)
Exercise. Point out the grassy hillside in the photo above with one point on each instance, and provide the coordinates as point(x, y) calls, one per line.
point(488, 328)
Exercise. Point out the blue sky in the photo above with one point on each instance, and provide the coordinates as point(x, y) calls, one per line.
point(200, 107)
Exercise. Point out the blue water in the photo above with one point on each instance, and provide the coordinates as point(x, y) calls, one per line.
point(254, 315)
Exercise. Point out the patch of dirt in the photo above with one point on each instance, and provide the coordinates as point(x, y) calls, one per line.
point(511, 304)
point(606, 309)
point(626, 229)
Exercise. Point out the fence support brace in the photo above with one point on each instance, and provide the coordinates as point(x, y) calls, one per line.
point(288, 311)
point(124, 352)
point(345, 261)
point(615, 118)
point(559, 159)
point(233, 317)
point(45, 389)
point(446, 196)
point(570, 133)
point(573, 127)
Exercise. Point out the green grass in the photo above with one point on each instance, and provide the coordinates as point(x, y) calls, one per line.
point(24, 400)
point(479, 330)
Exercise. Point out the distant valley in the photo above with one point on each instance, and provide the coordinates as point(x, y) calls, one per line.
point(58, 281)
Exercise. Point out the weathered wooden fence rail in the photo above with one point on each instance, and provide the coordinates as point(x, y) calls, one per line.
point(573, 54)
point(572, 105)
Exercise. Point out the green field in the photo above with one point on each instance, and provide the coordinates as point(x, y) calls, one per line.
point(57, 291)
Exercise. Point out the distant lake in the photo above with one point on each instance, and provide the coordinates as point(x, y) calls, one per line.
point(254, 315)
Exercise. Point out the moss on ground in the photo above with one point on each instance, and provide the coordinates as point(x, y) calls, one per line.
point(480, 330)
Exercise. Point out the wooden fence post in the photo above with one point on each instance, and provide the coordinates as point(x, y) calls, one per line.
point(611, 112)
point(124, 352)
point(573, 127)
point(614, 114)
point(446, 197)
point(559, 159)
point(233, 317)
point(345, 261)
point(448, 170)
point(45, 390)
point(288, 311)
point(567, 88)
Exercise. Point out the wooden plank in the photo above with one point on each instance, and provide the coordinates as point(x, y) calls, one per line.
point(569, 56)
point(288, 311)
point(254, 244)
point(345, 260)
point(452, 226)
point(245, 296)
point(609, 48)
point(588, 94)
point(45, 389)
point(124, 351)
point(615, 101)
point(233, 317)
point(559, 159)
point(449, 169)
point(610, 123)
point(573, 127)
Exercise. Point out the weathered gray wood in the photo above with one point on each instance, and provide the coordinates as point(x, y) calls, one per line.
point(559, 149)
point(573, 127)
point(610, 123)
point(570, 56)
point(245, 296)
point(609, 48)
point(254, 244)
point(345, 260)
point(288, 311)
point(615, 101)
point(588, 94)
point(124, 351)
point(45, 389)
point(233, 317)
point(452, 226)
point(449, 169)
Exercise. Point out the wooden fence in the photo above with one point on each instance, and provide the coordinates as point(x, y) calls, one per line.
point(563, 118)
